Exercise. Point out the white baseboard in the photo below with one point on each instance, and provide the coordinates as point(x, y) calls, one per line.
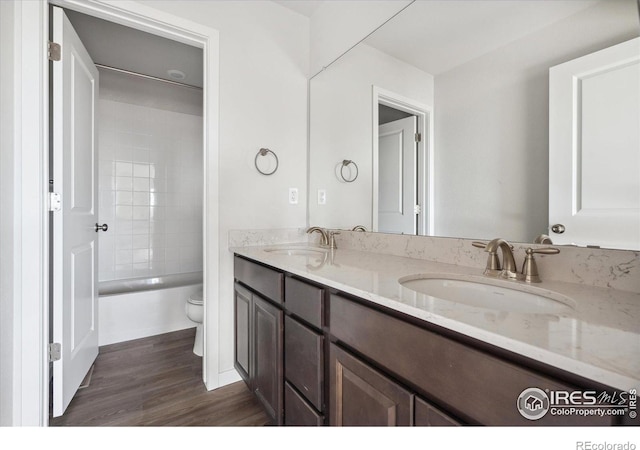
point(228, 377)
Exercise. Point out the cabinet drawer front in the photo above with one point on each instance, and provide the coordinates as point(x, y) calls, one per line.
point(303, 365)
point(297, 411)
point(474, 385)
point(429, 416)
point(264, 280)
point(304, 300)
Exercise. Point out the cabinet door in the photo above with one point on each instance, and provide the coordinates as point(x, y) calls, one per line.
point(267, 357)
point(243, 333)
point(427, 415)
point(362, 396)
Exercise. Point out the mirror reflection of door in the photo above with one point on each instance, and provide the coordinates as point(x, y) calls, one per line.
point(594, 137)
point(398, 207)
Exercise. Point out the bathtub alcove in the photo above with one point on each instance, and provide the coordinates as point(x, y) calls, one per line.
point(139, 307)
point(150, 180)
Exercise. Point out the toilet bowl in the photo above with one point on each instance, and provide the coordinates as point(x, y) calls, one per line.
point(195, 312)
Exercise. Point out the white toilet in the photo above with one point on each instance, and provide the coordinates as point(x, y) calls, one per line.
point(195, 312)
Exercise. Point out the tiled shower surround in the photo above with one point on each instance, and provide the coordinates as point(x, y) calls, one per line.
point(150, 178)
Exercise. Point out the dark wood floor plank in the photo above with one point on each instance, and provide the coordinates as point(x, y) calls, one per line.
point(157, 381)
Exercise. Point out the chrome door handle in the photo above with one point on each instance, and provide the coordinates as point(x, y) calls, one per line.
point(558, 228)
point(103, 227)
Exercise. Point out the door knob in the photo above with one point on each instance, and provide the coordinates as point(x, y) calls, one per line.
point(103, 227)
point(558, 228)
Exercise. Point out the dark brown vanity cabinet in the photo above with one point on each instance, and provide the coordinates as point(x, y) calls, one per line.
point(259, 334)
point(315, 359)
point(474, 386)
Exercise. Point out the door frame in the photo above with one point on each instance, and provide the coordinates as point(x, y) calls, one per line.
point(424, 114)
point(30, 334)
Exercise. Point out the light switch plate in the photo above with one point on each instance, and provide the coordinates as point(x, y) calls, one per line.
point(293, 196)
point(322, 197)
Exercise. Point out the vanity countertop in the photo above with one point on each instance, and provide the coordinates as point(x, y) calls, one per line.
point(598, 338)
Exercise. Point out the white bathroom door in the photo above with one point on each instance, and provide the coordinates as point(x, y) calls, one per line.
point(75, 258)
point(594, 149)
point(397, 176)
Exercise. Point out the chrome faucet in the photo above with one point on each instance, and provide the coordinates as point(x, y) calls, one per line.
point(359, 228)
point(324, 237)
point(493, 269)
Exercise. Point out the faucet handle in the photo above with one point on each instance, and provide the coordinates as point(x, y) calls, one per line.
point(530, 268)
point(493, 268)
point(484, 244)
point(543, 250)
point(332, 239)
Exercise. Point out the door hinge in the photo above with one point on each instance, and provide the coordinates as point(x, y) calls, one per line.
point(54, 51)
point(417, 209)
point(55, 350)
point(418, 137)
point(54, 201)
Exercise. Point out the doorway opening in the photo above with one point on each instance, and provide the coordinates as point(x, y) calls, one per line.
point(402, 165)
point(145, 174)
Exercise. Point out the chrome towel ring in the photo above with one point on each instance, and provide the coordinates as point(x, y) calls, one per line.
point(346, 163)
point(265, 152)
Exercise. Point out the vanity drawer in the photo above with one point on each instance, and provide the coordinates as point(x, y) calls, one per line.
point(268, 282)
point(474, 385)
point(303, 360)
point(297, 412)
point(304, 300)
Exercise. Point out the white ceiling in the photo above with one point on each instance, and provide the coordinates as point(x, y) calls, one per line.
point(304, 7)
point(438, 35)
point(125, 48)
point(433, 35)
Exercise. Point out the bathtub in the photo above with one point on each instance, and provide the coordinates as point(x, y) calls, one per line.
point(140, 307)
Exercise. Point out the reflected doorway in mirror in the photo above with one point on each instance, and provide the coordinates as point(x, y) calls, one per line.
point(402, 165)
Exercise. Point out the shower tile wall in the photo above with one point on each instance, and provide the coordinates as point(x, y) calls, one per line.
point(151, 184)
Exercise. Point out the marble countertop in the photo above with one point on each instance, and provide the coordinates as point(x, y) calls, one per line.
point(596, 336)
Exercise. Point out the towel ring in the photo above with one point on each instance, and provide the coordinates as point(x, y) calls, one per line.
point(346, 163)
point(265, 152)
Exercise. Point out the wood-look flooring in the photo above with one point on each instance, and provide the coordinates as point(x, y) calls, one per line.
point(157, 381)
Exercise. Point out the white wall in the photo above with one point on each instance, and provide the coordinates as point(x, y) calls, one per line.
point(336, 26)
point(6, 204)
point(491, 126)
point(341, 128)
point(150, 177)
point(264, 57)
point(23, 236)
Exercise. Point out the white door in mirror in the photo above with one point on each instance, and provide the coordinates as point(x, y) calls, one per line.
point(397, 176)
point(594, 149)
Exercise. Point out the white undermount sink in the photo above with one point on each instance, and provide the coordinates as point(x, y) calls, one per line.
point(487, 293)
point(297, 251)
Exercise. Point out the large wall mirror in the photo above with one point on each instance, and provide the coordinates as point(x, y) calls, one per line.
point(438, 123)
